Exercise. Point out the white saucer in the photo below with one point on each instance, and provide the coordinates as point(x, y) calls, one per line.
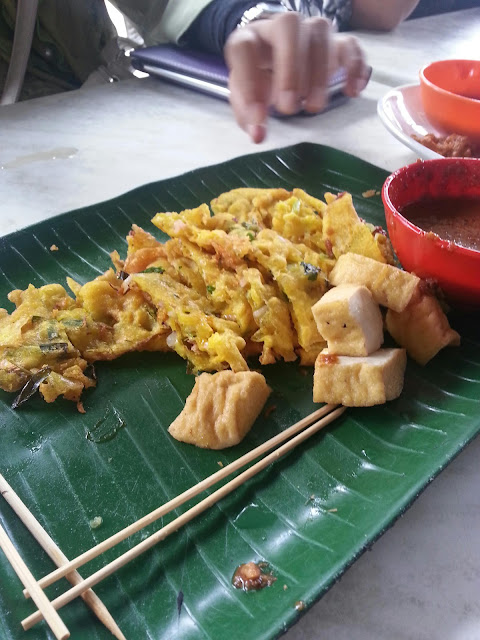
point(402, 113)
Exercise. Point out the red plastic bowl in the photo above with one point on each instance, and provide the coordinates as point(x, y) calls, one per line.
point(450, 92)
point(456, 269)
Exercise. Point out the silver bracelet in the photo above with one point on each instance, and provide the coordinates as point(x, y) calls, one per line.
point(261, 11)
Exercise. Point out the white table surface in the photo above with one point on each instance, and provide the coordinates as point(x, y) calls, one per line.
point(70, 150)
point(421, 580)
point(397, 57)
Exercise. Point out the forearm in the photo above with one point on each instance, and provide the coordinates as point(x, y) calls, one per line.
point(381, 15)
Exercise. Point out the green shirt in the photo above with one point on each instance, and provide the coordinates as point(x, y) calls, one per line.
point(71, 36)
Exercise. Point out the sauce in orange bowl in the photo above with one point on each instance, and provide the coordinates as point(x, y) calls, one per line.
point(456, 220)
point(432, 210)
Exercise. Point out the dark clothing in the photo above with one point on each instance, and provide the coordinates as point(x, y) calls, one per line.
point(431, 7)
point(212, 27)
point(210, 30)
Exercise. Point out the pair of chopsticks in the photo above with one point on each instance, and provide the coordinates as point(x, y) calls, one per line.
point(59, 558)
point(292, 437)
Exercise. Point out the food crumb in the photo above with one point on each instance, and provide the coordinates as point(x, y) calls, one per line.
point(96, 522)
point(53, 247)
point(332, 510)
point(179, 602)
point(451, 146)
point(369, 193)
point(299, 605)
point(220, 463)
point(269, 410)
point(285, 587)
point(252, 577)
point(80, 407)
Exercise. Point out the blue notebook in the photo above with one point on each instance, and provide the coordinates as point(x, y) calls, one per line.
point(206, 72)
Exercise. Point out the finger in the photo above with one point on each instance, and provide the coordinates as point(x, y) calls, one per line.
point(282, 35)
point(249, 81)
point(303, 61)
point(319, 64)
point(351, 57)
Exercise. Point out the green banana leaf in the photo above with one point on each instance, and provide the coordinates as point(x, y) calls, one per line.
point(309, 515)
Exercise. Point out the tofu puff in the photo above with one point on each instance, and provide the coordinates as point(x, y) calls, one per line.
point(221, 409)
point(350, 320)
point(422, 328)
point(359, 381)
point(414, 316)
point(52, 332)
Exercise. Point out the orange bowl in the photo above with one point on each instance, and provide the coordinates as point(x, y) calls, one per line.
point(456, 269)
point(450, 93)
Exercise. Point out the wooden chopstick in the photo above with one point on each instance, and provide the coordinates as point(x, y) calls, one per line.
point(58, 557)
point(46, 608)
point(108, 543)
point(173, 526)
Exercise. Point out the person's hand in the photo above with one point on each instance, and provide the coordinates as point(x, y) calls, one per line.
point(285, 62)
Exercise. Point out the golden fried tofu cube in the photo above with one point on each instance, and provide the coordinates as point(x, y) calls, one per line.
point(391, 287)
point(350, 320)
point(359, 381)
point(221, 409)
point(422, 328)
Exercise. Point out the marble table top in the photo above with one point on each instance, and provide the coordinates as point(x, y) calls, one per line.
point(398, 56)
point(69, 150)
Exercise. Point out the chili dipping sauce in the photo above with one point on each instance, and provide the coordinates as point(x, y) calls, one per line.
point(455, 220)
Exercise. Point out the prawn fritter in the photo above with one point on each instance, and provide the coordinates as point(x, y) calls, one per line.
point(299, 273)
point(345, 232)
point(221, 409)
point(300, 219)
point(234, 220)
point(143, 249)
point(203, 272)
point(230, 240)
point(113, 319)
point(272, 314)
point(208, 342)
point(240, 296)
point(34, 338)
point(247, 204)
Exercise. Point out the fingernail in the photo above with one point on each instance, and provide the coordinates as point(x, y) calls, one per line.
point(316, 100)
point(256, 132)
point(287, 102)
point(360, 85)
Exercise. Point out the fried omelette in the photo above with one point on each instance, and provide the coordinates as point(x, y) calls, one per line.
point(236, 279)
